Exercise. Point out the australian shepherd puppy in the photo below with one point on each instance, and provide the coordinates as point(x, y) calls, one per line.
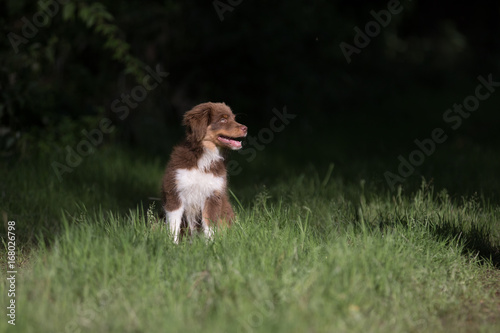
point(194, 190)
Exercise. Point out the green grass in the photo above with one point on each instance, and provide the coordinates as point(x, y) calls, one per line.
point(310, 252)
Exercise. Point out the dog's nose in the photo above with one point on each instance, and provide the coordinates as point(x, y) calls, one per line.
point(244, 128)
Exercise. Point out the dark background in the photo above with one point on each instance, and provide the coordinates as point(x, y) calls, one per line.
point(263, 55)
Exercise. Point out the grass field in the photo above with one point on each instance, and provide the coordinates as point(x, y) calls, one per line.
point(312, 251)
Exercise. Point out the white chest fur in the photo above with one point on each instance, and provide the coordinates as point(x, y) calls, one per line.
point(195, 185)
point(208, 158)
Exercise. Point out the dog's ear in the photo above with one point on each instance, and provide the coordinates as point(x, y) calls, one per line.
point(197, 121)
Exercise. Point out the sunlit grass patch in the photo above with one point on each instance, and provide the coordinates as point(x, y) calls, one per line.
point(312, 253)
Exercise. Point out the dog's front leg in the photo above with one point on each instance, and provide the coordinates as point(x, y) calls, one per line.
point(174, 220)
point(227, 213)
point(211, 214)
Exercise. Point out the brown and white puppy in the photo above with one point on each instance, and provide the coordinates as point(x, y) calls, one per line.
point(194, 190)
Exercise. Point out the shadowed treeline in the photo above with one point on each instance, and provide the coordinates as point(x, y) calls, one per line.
point(365, 79)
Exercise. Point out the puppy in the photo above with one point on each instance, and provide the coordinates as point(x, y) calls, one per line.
point(194, 189)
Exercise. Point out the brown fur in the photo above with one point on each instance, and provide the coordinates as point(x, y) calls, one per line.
point(205, 123)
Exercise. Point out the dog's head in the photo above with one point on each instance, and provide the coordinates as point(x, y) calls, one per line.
point(214, 124)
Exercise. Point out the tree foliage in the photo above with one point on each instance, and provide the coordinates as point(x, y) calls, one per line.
point(255, 56)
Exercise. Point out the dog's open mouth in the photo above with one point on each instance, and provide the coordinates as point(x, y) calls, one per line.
point(234, 143)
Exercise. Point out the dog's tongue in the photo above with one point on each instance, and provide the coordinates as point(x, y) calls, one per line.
point(232, 143)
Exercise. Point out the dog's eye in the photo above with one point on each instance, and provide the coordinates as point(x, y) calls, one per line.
point(223, 120)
